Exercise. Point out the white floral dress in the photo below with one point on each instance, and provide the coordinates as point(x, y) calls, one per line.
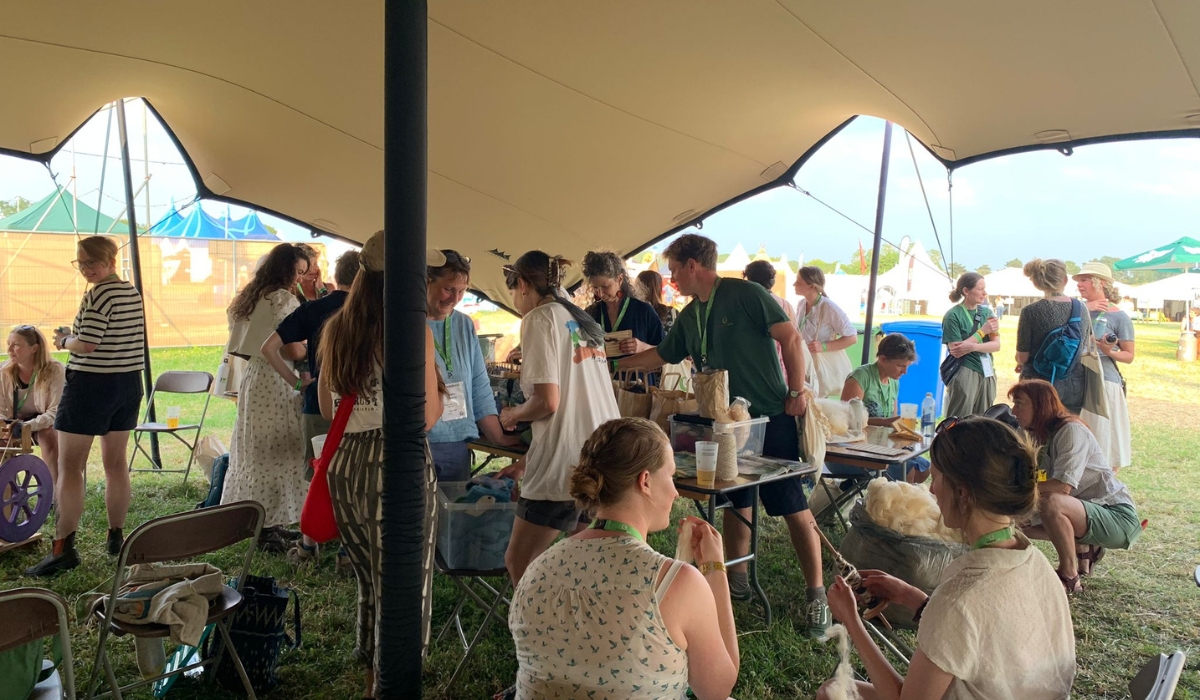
point(266, 457)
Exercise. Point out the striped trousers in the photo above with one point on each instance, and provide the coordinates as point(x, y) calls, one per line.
point(356, 487)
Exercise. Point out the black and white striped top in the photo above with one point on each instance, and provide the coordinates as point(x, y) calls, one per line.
point(111, 316)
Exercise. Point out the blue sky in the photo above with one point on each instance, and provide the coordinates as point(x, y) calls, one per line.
point(1111, 199)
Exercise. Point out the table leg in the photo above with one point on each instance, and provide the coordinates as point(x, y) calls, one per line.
point(755, 585)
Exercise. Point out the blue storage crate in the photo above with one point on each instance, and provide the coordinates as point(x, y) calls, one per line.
point(923, 375)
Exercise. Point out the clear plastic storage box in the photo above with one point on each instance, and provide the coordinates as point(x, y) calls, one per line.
point(472, 535)
point(686, 430)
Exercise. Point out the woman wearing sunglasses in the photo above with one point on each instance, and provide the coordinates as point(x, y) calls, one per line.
point(997, 626)
point(102, 395)
point(1084, 509)
point(565, 376)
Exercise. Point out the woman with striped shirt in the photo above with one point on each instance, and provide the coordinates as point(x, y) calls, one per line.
point(102, 396)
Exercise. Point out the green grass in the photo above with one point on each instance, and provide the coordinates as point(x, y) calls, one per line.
point(1137, 604)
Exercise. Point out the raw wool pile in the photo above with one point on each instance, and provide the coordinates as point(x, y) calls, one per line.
point(908, 509)
point(683, 547)
point(834, 417)
point(842, 685)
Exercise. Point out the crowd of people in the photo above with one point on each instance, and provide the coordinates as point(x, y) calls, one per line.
point(599, 609)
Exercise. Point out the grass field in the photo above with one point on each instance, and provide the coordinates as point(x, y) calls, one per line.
point(1137, 604)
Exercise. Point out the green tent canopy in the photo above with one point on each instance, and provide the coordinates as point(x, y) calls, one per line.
point(60, 212)
point(1179, 255)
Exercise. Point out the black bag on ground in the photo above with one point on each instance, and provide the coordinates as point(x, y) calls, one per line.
point(216, 482)
point(259, 635)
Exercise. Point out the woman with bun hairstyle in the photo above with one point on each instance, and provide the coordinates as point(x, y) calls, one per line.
point(601, 614)
point(1043, 316)
point(826, 330)
point(971, 333)
point(1113, 331)
point(1084, 509)
point(564, 376)
point(998, 625)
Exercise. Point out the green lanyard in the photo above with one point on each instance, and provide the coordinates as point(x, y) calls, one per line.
point(993, 537)
point(621, 315)
point(804, 321)
point(28, 390)
point(447, 348)
point(617, 526)
point(702, 325)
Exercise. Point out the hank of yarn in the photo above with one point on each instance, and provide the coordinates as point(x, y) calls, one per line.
point(683, 548)
point(727, 466)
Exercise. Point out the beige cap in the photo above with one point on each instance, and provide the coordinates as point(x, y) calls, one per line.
point(1094, 269)
point(371, 257)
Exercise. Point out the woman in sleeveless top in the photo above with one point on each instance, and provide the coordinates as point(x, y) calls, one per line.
point(601, 614)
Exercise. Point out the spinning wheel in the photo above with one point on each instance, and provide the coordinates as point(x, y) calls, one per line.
point(26, 492)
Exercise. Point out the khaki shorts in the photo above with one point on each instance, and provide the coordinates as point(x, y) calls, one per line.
point(1114, 527)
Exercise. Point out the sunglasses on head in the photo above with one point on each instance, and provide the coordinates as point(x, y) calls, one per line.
point(947, 424)
point(455, 255)
point(510, 277)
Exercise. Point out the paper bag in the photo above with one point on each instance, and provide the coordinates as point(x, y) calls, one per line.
point(1095, 400)
point(629, 388)
point(712, 393)
point(666, 402)
point(207, 452)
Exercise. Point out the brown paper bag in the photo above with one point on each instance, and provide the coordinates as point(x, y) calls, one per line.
point(630, 391)
point(665, 402)
point(712, 393)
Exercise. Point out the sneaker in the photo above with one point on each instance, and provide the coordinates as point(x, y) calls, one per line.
point(740, 591)
point(818, 618)
point(301, 554)
point(62, 557)
point(115, 540)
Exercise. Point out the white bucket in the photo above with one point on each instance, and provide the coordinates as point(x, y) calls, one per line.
point(318, 443)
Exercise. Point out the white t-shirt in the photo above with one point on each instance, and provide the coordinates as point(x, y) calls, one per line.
point(826, 322)
point(1000, 624)
point(368, 409)
point(554, 353)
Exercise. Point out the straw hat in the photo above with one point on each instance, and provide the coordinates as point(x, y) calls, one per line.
point(1094, 269)
point(371, 257)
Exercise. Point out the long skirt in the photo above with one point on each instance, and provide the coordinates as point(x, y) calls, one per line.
point(1113, 432)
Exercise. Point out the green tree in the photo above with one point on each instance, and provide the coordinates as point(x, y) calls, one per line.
point(956, 269)
point(889, 257)
point(936, 257)
point(1133, 276)
point(9, 207)
point(827, 267)
point(1072, 268)
point(1015, 262)
point(983, 270)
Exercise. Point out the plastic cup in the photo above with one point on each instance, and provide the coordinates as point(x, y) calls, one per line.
point(908, 414)
point(318, 443)
point(172, 417)
point(706, 463)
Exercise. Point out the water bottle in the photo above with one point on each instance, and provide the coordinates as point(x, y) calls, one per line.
point(928, 414)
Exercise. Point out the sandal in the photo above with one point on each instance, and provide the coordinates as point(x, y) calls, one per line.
point(303, 554)
point(1092, 557)
point(1071, 585)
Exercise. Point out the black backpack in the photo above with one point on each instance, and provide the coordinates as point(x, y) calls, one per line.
point(216, 482)
point(259, 634)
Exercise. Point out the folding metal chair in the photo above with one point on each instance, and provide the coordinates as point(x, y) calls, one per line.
point(1158, 678)
point(172, 538)
point(30, 615)
point(174, 382)
point(467, 581)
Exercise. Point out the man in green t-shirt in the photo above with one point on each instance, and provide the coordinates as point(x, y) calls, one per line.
point(732, 324)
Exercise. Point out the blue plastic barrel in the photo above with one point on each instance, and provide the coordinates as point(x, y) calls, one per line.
point(923, 376)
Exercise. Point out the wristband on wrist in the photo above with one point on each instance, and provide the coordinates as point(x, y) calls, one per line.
point(299, 381)
point(824, 347)
point(710, 566)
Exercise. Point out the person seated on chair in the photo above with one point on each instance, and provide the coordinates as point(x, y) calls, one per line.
point(1083, 509)
point(601, 613)
point(31, 383)
point(877, 385)
point(996, 626)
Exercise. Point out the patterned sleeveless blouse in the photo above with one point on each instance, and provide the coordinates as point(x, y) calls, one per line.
point(586, 624)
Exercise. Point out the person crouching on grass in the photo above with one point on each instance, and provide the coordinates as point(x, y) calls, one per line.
point(997, 626)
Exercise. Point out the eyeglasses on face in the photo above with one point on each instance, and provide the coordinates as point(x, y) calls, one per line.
point(86, 264)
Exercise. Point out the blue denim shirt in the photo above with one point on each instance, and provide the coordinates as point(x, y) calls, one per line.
point(469, 368)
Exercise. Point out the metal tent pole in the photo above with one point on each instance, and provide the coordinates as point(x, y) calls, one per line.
point(136, 262)
point(405, 153)
point(883, 178)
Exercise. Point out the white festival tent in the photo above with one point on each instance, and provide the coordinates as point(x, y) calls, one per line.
point(1011, 282)
point(568, 127)
point(1184, 287)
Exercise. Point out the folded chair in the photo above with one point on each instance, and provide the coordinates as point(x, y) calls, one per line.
point(30, 615)
point(173, 538)
point(174, 382)
point(1158, 678)
point(472, 585)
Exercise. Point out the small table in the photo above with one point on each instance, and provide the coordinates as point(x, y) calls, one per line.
point(493, 451)
point(873, 463)
point(706, 502)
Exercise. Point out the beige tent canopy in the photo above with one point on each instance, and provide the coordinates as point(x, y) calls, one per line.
point(569, 126)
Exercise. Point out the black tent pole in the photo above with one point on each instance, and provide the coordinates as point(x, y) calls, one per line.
point(135, 260)
point(405, 146)
point(883, 178)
